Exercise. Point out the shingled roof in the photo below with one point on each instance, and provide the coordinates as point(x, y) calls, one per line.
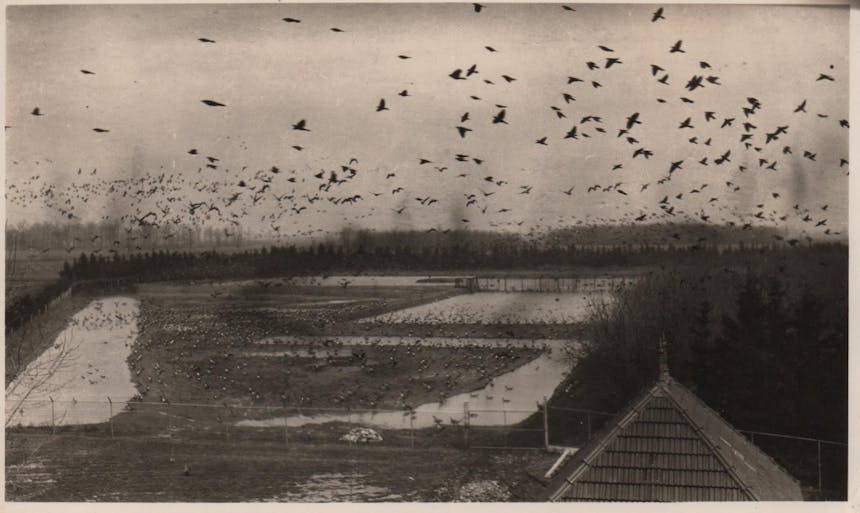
point(667, 445)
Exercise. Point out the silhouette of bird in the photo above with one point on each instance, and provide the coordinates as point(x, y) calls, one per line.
point(822, 76)
point(205, 40)
point(477, 7)
point(87, 72)
point(500, 117)
point(301, 125)
point(657, 15)
point(801, 107)
point(676, 48)
point(381, 106)
point(37, 112)
point(542, 141)
point(101, 130)
point(463, 131)
point(291, 20)
point(213, 103)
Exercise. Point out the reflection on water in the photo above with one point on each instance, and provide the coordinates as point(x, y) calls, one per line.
point(508, 399)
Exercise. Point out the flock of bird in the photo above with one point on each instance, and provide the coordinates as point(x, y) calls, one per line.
point(234, 356)
point(289, 201)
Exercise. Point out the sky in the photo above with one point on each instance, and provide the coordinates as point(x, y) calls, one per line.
point(150, 73)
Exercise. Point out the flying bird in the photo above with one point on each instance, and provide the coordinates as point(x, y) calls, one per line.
point(213, 103)
point(292, 20)
point(676, 48)
point(657, 15)
point(301, 126)
point(205, 40)
point(381, 106)
point(463, 131)
point(87, 72)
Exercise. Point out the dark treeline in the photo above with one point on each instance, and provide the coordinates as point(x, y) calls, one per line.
point(359, 251)
point(761, 339)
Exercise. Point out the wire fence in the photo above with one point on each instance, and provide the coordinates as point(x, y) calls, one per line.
point(821, 465)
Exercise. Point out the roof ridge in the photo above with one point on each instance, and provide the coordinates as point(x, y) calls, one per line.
point(730, 469)
point(716, 414)
point(625, 418)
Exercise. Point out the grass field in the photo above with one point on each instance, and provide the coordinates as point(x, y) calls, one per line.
point(85, 468)
point(224, 344)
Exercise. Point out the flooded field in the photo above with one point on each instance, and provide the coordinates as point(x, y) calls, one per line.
point(507, 399)
point(87, 362)
point(498, 308)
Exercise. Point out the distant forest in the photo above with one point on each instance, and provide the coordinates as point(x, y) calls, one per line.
point(365, 251)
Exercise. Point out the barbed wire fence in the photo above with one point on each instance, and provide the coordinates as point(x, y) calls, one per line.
point(820, 464)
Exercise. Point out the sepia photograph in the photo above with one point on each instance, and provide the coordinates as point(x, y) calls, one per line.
point(426, 253)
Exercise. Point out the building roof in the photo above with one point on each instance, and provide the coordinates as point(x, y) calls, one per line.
point(667, 445)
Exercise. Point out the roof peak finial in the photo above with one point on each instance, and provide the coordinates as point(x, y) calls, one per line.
point(663, 358)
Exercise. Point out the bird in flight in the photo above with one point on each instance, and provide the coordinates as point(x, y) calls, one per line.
point(213, 103)
point(658, 15)
point(301, 126)
point(87, 72)
point(100, 130)
point(292, 20)
point(205, 40)
point(676, 48)
point(381, 106)
point(463, 131)
point(500, 117)
point(477, 7)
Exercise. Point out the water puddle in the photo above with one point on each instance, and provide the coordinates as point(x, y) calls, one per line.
point(336, 487)
point(85, 365)
point(509, 398)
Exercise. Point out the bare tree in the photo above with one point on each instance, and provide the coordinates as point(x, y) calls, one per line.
point(39, 378)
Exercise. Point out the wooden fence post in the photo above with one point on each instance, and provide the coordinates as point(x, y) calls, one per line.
point(818, 442)
point(466, 424)
point(110, 418)
point(545, 424)
point(52, 414)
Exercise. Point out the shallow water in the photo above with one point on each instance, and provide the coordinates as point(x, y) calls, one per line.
point(508, 399)
point(85, 366)
point(498, 308)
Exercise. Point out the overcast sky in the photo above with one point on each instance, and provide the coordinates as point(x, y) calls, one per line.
point(150, 73)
